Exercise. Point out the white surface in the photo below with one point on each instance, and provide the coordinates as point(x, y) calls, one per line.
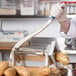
point(51, 48)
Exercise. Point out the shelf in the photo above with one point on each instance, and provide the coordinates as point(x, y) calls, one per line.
point(4, 46)
point(22, 16)
point(27, 16)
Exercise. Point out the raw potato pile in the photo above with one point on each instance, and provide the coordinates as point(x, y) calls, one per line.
point(5, 70)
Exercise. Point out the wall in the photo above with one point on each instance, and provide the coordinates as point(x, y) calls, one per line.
point(31, 24)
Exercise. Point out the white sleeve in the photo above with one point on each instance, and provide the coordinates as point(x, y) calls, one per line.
point(72, 30)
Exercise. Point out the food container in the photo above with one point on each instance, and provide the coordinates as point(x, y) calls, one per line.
point(9, 6)
point(9, 11)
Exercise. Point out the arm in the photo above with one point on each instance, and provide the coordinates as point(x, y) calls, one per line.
point(65, 25)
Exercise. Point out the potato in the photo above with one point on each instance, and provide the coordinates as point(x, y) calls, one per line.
point(22, 71)
point(62, 58)
point(3, 66)
point(44, 71)
point(55, 70)
point(10, 72)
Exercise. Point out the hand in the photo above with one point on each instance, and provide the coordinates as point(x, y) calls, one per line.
point(59, 11)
